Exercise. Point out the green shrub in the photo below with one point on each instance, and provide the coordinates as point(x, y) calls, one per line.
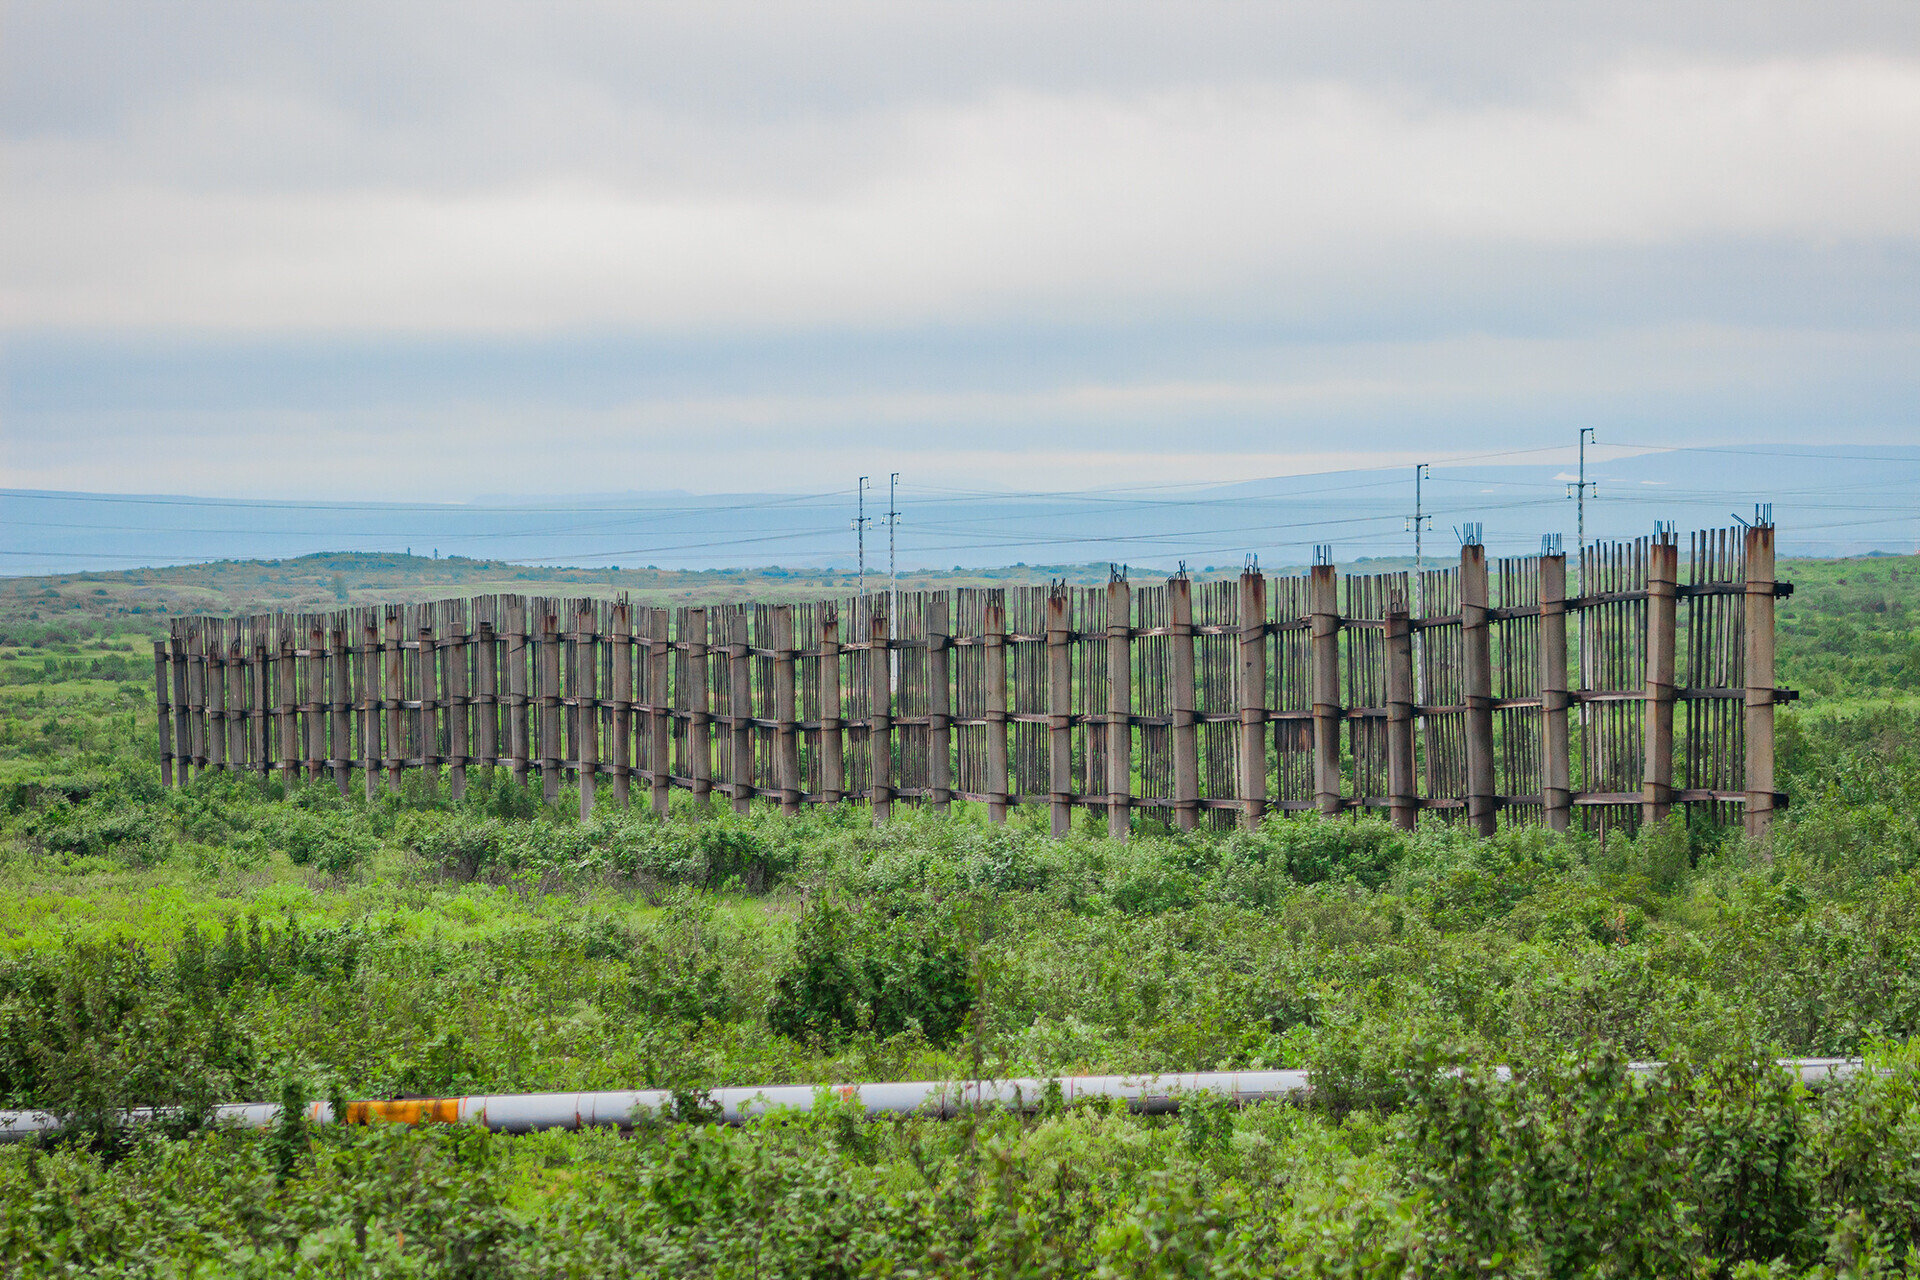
point(1366, 850)
point(457, 847)
point(865, 971)
point(330, 842)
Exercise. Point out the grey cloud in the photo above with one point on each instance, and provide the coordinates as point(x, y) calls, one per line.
point(1187, 231)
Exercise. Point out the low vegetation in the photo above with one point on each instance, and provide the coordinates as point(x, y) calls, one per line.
point(228, 941)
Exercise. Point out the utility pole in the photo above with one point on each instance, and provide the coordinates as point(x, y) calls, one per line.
point(1578, 492)
point(1418, 522)
point(860, 523)
point(893, 582)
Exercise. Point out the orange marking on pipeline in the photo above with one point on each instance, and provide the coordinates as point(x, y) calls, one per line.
point(406, 1111)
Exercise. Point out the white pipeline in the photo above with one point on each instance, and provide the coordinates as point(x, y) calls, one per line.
point(527, 1112)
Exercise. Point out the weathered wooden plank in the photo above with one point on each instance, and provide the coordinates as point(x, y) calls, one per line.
point(693, 635)
point(833, 761)
point(586, 693)
point(1323, 588)
point(1253, 698)
point(287, 699)
point(1059, 713)
point(994, 634)
point(786, 742)
point(739, 709)
point(660, 708)
point(1663, 568)
point(1477, 688)
point(1402, 797)
point(340, 698)
point(1181, 694)
point(939, 702)
point(1555, 699)
point(1760, 677)
point(393, 698)
point(620, 739)
point(1119, 707)
point(315, 703)
point(879, 718)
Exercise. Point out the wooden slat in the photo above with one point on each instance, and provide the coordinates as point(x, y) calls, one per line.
point(1181, 693)
point(879, 719)
point(1477, 672)
point(340, 691)
point(1323, 587)
point(586, 692)
point(620, 724)
point(1656, 796)
point(1402, 793)
point(1760, 676)
point(939, 702)
point(1119, 706)
point(1059, 712)
point(1252, 672)
point(1556, 766)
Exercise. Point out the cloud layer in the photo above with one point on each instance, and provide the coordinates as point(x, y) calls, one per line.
point(1080, 228)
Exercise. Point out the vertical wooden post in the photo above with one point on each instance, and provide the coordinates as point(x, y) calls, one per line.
point(1119, 707)
point(620, 741)
point(547, 661)
point(1402, 796)
point(456, 692)
point(1476, 644)
point(1760, 676)
point(660, 713)
point(486, 680)
point(740, 702)
point(939, 703)
point(287, 701)
point(1253, 699)
point(1323, 591)
point(394, 699)
point(216, 695)
point(317, 699)
point(994, 629)
point(1181, 695)
point(340, 699)
point(1663, 572)
point(786, 739)
point(699, 724)
point(1556, 765)
point(586, 693)
point(163, 711)
point(182, 710)
point(1059, 711)
point(258, 693)
point(880, 719)
point(369, 699)
point(239, 677)
point(196, 696)
point(519, 711)
point(833, 758)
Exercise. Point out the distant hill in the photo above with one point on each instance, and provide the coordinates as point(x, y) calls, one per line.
point(1839, 500)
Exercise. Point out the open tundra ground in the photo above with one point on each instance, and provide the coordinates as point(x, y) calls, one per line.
point(227, 941)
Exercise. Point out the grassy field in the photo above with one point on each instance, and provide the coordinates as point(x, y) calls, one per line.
point(229, 940)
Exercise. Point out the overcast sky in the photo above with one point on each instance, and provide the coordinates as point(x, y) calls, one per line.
point(423, 251)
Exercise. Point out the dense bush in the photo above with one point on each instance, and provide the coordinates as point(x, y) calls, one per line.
point(871, 971)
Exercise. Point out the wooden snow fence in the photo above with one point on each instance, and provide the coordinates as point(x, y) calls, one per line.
point(1485, 693)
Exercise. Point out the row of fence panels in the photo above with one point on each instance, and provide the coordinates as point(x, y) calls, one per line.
point(1465, 692)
